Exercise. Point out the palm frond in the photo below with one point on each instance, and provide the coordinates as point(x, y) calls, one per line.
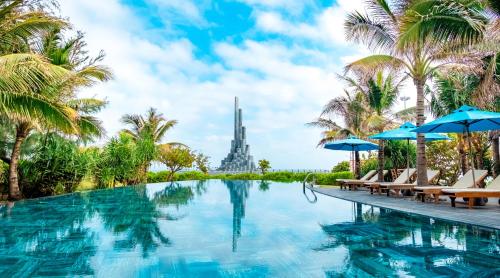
point(441, 22)
point(363, 29)
point(324, 123)
point(374, 63)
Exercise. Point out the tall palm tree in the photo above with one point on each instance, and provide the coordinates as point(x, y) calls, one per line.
point(415, 36)
point(151, 127)
point(62, 93)
point(382, 92)
point(23, 73)
point(352, 110)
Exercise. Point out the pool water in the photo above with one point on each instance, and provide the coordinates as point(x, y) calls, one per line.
point(233, 229)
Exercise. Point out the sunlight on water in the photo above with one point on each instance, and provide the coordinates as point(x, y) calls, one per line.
point(232, 228)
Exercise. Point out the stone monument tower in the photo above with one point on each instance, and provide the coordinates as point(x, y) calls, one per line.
point(239, 158)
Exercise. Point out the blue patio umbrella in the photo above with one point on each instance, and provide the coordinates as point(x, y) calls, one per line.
point(405, 132)
point(352, 143)
point(464, 120)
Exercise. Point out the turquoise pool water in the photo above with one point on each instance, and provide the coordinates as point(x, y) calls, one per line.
point(232, 229)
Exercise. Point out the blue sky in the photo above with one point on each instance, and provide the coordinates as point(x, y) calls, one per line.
point(190, 58)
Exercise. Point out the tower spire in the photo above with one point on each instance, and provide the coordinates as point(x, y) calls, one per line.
point(239, 158)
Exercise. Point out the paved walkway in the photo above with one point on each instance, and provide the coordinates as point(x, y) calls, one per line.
point(487, 216)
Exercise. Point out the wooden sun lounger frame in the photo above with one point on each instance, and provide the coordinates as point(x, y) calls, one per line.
point(437, 191)
point(354, 184)
point(377, 186)
point(472, 195)
point(398, 187)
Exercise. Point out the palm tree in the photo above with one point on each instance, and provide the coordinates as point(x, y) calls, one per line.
point(61, 94)
point(151, 127)
point(382, 95)
point(416, 37)
point(380, 92)
point(352, 110)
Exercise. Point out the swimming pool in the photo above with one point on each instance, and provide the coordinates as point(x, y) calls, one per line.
point(232, 229)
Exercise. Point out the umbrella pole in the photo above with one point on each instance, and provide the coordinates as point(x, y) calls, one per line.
point(408, 160)
point(470, 155)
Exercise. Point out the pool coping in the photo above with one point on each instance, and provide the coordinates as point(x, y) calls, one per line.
point(482, 217)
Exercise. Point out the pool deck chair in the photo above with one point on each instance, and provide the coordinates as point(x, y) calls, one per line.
point(354, 184)
point(402, 178)
point(493, 190)
point(397, 187)
point(364, 178)
point(465, 181)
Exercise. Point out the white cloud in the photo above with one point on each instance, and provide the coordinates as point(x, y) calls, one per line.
point(278, 93)
point(327, 26)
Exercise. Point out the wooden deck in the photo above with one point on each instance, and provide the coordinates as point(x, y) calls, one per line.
point(486, 216)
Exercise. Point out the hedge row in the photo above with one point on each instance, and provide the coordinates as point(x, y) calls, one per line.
point(321, 178)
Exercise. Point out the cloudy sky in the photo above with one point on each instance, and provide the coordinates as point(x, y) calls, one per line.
point(190, 58)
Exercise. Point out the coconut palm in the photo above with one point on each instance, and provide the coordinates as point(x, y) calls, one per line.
point(151, 127)
point(380, 92)
point(352, 110)
point(61, 93)
point(415, 37)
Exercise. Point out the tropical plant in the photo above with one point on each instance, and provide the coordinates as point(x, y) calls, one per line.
point(202, 163)
point(382, 92)
point(341, 167)
point(444, 153)
point(61, 93)
point(352, 110)
point(120, 161)
point(57, 165)
point(416, 37)
point(152, 126)
point(176, 158)
point(264, 166)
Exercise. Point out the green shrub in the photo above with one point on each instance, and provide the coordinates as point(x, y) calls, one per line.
point(322, 178)
point(57, 166)
point(342, 166)
point(331, 178)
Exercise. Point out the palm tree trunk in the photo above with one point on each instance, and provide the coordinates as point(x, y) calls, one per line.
point(21, 133)
point(495, 135)
point(421, 159)
point(381, 160)
point(357, 163)
point(463, 154)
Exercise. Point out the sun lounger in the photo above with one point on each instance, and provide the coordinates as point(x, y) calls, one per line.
point(366, 177)
point(402, 178)
point(354, 184)
point(465, 181)
point(397, 187)
point(493, 190)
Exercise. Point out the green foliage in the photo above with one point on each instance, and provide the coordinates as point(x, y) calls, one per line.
point(122, 161)
point(444, 156)
point(264, 166)
point(57, 166)
point(368, 164)
point(176, 158)
point(321, 178)
point(202, 163)
point(174, 194)
point(342, 167)
point(395, 152)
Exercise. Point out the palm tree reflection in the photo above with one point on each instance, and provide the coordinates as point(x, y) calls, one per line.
point(34, 241)
point(393, 243)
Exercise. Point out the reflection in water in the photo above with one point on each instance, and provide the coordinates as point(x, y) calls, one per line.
point(35, 240)
point(384, 243)
point(238, 191)
point(161, 230)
